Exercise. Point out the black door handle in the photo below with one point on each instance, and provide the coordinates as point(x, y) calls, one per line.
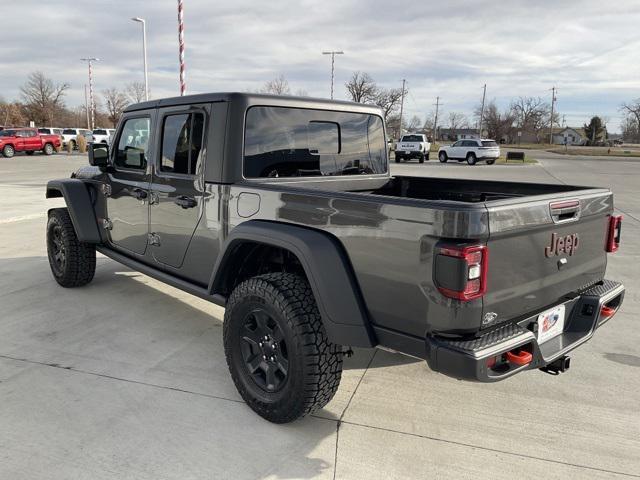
point(186, 202)
point(139, 193)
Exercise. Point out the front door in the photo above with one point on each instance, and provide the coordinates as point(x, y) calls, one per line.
point(178, 183)
point(32, 141)
point(127, 203)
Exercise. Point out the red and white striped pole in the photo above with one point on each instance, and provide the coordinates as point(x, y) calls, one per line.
point(183, 85)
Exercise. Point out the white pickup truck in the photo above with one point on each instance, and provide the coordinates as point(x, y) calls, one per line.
point(414, 145)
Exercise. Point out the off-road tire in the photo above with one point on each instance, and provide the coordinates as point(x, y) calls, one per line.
point(8, 151)
point(77, 264)
point(442, 156)
point(421, 158)
point(314, 363)
point(48, 149)
point(471, 158)
point(398, 158)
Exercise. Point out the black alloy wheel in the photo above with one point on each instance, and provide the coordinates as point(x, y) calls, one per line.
point(264, 351)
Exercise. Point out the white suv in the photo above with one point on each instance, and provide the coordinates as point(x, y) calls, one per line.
point(472, 151)
point(103, 135)
point(413, 145)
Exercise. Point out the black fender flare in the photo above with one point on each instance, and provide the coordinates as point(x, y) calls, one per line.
point(328, 270)
point(80, 207)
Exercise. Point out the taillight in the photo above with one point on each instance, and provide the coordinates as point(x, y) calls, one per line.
point(461, 272)
point(613, 235)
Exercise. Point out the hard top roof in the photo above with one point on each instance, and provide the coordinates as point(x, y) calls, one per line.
point(251, 99)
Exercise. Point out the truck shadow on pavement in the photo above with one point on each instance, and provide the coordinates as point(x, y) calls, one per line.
point(137, 363)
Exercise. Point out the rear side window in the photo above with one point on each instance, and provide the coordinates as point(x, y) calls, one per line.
point(182, 143)
point(412, 138)
point(489, 143)
point(100, 132)
point(295, 142)
point(43, 131)
point(69, 131)
point(133, 144)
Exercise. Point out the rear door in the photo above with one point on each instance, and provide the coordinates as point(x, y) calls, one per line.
point(541, 250)
point(127, 204)
point(178, 182)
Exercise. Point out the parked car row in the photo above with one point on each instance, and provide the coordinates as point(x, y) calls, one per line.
point(472, 151)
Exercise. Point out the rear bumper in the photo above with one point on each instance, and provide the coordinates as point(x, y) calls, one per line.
point(410, 154)
point(474, 359)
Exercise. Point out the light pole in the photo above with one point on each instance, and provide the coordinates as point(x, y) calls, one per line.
point(333, 54)
point(92, 105)
point(144, 54)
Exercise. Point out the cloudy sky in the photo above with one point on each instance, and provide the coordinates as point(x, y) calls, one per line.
point(588, 49)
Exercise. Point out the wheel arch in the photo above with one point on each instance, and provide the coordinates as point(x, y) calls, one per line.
point(80, 206)
point(323, 261)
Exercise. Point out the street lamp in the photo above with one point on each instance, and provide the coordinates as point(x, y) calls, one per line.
point(90, 61)
point(333, 54)
point(144, 54)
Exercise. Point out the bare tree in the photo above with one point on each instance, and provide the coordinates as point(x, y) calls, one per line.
point(42, 98)
point(361, 88)
point(135, 92)
point(531, 113)
point(458, 120)
point(414, 123)
point(497, 124)
point(388, 100)
point(11, 114)
point(115, 102)
point(277, 86)
point(631, 124)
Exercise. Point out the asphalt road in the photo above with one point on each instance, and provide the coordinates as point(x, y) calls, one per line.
point(126, 378)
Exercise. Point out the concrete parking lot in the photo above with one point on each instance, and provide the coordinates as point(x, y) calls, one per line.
point(126, 378)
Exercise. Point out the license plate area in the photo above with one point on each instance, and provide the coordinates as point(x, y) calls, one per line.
point(551, 323)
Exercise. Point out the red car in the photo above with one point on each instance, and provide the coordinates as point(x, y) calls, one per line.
point(27, 140)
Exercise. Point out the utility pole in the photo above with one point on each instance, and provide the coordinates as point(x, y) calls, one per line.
point(563, 121)
point(553, 101)
point(183, 85)
point(435, 122)
point(401, 106)
point(484, 94)
point(91, 102)
point(333, 54)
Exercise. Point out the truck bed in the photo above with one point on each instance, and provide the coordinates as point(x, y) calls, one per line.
point(469, 191)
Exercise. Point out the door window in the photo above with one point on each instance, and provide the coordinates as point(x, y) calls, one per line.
point(182, 143)
point(133, 144)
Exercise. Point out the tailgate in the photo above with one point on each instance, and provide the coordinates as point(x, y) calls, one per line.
point(409, 146)
point(541, 250)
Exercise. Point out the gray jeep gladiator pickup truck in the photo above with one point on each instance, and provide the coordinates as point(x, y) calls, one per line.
point(284, 211)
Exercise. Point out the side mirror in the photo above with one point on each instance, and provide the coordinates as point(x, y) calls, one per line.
point(99, 154)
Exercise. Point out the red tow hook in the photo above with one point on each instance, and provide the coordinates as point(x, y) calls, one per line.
point(607, 311)
point(519, 357)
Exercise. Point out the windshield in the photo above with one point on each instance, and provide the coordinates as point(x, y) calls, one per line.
point(100, 132)
point(7, 133)
point(489, 143)
point(68, 131)
point(412, 138)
